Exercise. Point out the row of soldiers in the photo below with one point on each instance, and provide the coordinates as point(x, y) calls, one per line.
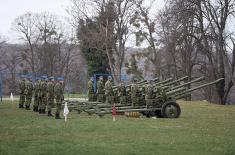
point(105, 92)
point(45, 91)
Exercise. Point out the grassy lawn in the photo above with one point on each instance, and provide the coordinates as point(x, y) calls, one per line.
point(202, 129)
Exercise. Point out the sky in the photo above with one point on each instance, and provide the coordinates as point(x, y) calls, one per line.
point(11, 9)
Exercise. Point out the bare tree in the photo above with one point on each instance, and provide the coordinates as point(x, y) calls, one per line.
point(114, 26)
point(212, 18)
point(217, 15)
point(2, 52)
point(47, 45)
point(25, 26)
point(49, 32)
point(146, 31)
point(203, 28)
point(11, 62)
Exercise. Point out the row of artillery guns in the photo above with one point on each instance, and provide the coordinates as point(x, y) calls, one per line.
point(163, 104)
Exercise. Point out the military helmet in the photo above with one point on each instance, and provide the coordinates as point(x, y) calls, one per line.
point(60, 79)
point(51, 78)
point(110, 78)
point(44, 77)
point(37, 78)
point(30, 78)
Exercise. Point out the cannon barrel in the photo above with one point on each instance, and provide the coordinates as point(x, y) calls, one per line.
point(172, 92)
point(140, 84)
point(199, 87)
point(190, 82)
point(144, 83)
point(163, 82)
point(167, 88)
point(157, 84)
point(176, 81)
point(168, 84)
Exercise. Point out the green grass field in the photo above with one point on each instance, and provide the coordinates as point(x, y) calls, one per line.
point(202, 129)
point(75, 95)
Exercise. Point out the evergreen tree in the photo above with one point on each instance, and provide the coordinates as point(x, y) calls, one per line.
point(91, 47)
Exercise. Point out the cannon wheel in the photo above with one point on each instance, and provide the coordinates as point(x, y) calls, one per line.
point(171, 110)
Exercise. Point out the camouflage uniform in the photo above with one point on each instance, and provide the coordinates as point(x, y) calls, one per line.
point(36, 96)
point(134, 94)
point(22, 93)
point(148, 94)
point(28, 93)
point(122, 93)
point(43, 95)
point(109, 92)
point(59, 96)
point(39, 96)
point(90, 91)
point(100, 91)
point(50, 103)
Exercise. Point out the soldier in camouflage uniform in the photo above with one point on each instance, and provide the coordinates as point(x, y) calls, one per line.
point(100, 90)
point(43, 95)
point(109, 91)
point(39, 87)
point(134, 93)
point(22, 92)
point(50, 91)
point(28, 93)
point(122, 93)
point(36, 94)
point(90, 88)
point(149, 93)
point(59, 96)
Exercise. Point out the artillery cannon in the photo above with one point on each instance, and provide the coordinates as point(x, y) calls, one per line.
point(163, 102)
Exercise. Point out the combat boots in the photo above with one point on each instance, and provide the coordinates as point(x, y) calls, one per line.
point(21, 106)
point(36, 109)
point(57, 116)
point(49, 114)
point(27, 107)
point(43, 111)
